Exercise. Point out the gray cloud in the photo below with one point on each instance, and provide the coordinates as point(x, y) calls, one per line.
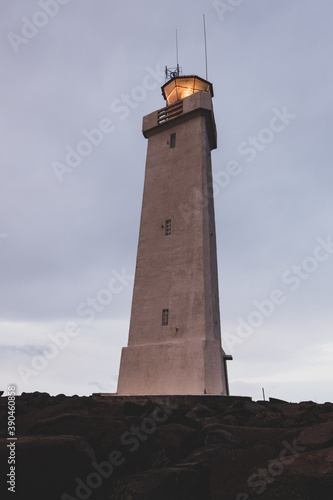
point(28, 349)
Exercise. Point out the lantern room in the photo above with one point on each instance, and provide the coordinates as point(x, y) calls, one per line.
point(180, 87)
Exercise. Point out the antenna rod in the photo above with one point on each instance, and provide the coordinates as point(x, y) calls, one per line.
point(205, 37)
point(177, 51)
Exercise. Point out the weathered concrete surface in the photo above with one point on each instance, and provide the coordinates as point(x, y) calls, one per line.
point(192, 367)
point(176, 272)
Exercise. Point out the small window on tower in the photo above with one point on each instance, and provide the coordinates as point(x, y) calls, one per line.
point(165, 317)
point(168, 227)
point(172, 141)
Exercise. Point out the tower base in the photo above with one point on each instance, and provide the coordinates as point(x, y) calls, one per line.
point(177, 368)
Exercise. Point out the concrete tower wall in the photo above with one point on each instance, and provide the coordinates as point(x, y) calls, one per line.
point(176, 272)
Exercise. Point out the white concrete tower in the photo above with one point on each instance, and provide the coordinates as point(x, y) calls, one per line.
point(174, 344)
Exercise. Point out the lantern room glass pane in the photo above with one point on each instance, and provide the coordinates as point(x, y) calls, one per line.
point(173, 96)
point(201, 86)
point(184, 92)
point(171, 85)
point(181, 87)
point(186, 82)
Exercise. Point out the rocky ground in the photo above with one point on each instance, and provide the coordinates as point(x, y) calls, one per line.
point(176, 448)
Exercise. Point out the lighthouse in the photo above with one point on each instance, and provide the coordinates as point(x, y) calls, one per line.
point(174, 344)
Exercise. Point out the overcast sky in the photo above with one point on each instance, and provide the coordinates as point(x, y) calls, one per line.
point(70, 210)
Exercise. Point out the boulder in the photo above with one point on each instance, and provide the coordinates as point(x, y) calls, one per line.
point(47, 466)
point(317, 463)
point(317, 435)
point(177, 483)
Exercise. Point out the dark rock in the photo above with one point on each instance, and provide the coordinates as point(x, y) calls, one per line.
point(265, 419)
point(231, 471)
point(317, 463)
point(59, 398)
point(186, 421)
point(202, 448)
point(211, 421)
point(133, 409)
point(160, 459)
point(101, 432)
point(253, 407)
point(219, 436)
point(203, 457)
point(175, 440)
point(199, 412)
point(275, 400)
point(47, 466)
point(288, 423)
point(229, 420)
point(317, 436)
point(177, 483)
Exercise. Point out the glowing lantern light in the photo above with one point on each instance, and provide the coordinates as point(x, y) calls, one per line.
point(180, 87)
